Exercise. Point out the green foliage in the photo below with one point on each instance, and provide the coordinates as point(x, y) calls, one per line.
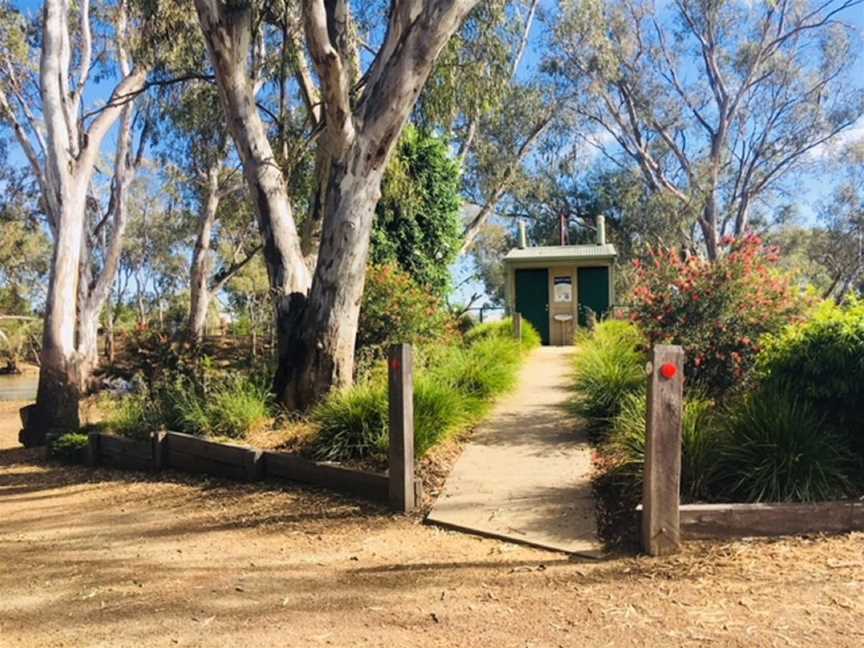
point(395, 309)
point(69, 447)
point(237, 407)
point(440, 410)
point(609, 365)
point(453, 388)
point(353, 423)
point(417, 221)
point(701, 443)
point(228, 406)
point(716, 311)
point(778, 450)
point(135, 417)
point(503, 328)
point(822, 360)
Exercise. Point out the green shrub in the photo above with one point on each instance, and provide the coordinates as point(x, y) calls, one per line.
point(135, 417)
point(440, 411)
point(237, 406)
point(609, 365)
point(69, 447)
point(822, 360)
point(181, 406)
point(396, 309)
point(418, 221)
point(230, 406)
point(701, 443)
point(778, 450)
point(503, 328)
point(453, 388)
point(485, 369)
point(353, 423)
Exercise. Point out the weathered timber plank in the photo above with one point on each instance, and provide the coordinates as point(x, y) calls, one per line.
point(157, 440)
point(401, 412)
point(195, 463)
point(346, 480)
point(215, 450)
point(660, 493)
point(126, 462)
point(91, 453)
point(703, 521)
point(118, 446)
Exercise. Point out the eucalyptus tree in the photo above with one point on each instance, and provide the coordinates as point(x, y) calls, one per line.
point(363, 102)
point(496, 109)
point(838, 245)
point(196, 144)
point(62, 141)
point(715, 102)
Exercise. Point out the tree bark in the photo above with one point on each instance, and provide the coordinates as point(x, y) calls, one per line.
point(360, 140)
point(69, 164)
point(321, 353)
point(201, 267)
point(227, 31)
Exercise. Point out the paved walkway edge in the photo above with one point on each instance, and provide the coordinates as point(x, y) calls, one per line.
point(525, 475)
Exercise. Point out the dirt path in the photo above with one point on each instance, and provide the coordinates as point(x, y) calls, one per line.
point(110, 559)
point(525, 474)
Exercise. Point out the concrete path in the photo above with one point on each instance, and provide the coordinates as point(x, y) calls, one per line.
point(525, 476)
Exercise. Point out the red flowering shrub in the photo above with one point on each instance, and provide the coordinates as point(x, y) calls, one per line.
point(395, 309)
point(716, 311)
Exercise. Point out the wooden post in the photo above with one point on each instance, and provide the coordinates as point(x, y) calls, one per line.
point(401, 396)
point(158, 441)
point(661, 534)
point(517, 326)
point(91, 452)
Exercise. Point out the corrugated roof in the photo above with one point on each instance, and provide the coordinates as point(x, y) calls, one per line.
point(562, 253)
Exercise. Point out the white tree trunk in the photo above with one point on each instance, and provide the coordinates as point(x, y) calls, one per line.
point(227, 31)
point(68, 169)
point(360, 140)
point(324, 349)
point(201, 267)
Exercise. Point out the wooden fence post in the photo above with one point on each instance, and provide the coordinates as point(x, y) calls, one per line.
point(91, 452)
point(401, 396)
point(157, 439)
point(517, 326)
point(661, 534)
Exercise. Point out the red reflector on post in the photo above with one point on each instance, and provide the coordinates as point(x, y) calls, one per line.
point(668, 370)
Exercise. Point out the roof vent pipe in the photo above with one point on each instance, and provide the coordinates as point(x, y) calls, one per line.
point(601, 229)
point(523, 238)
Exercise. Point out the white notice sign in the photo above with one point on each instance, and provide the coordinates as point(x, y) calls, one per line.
point(563, 291)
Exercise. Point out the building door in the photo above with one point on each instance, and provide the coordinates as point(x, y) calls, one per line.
point(532, 299)
point(593, 292)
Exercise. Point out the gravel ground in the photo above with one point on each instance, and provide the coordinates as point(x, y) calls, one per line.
point(103, 558)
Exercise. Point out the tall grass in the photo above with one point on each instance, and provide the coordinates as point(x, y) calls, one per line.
point(454, 387)
point(353, 423)
point(238, 406)
point(779, 450)
point(609, 365)
point(231, 407)
point(701, 443)
point(504, 328)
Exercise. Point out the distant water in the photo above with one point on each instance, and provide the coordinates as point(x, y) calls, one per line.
point(18, 388)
